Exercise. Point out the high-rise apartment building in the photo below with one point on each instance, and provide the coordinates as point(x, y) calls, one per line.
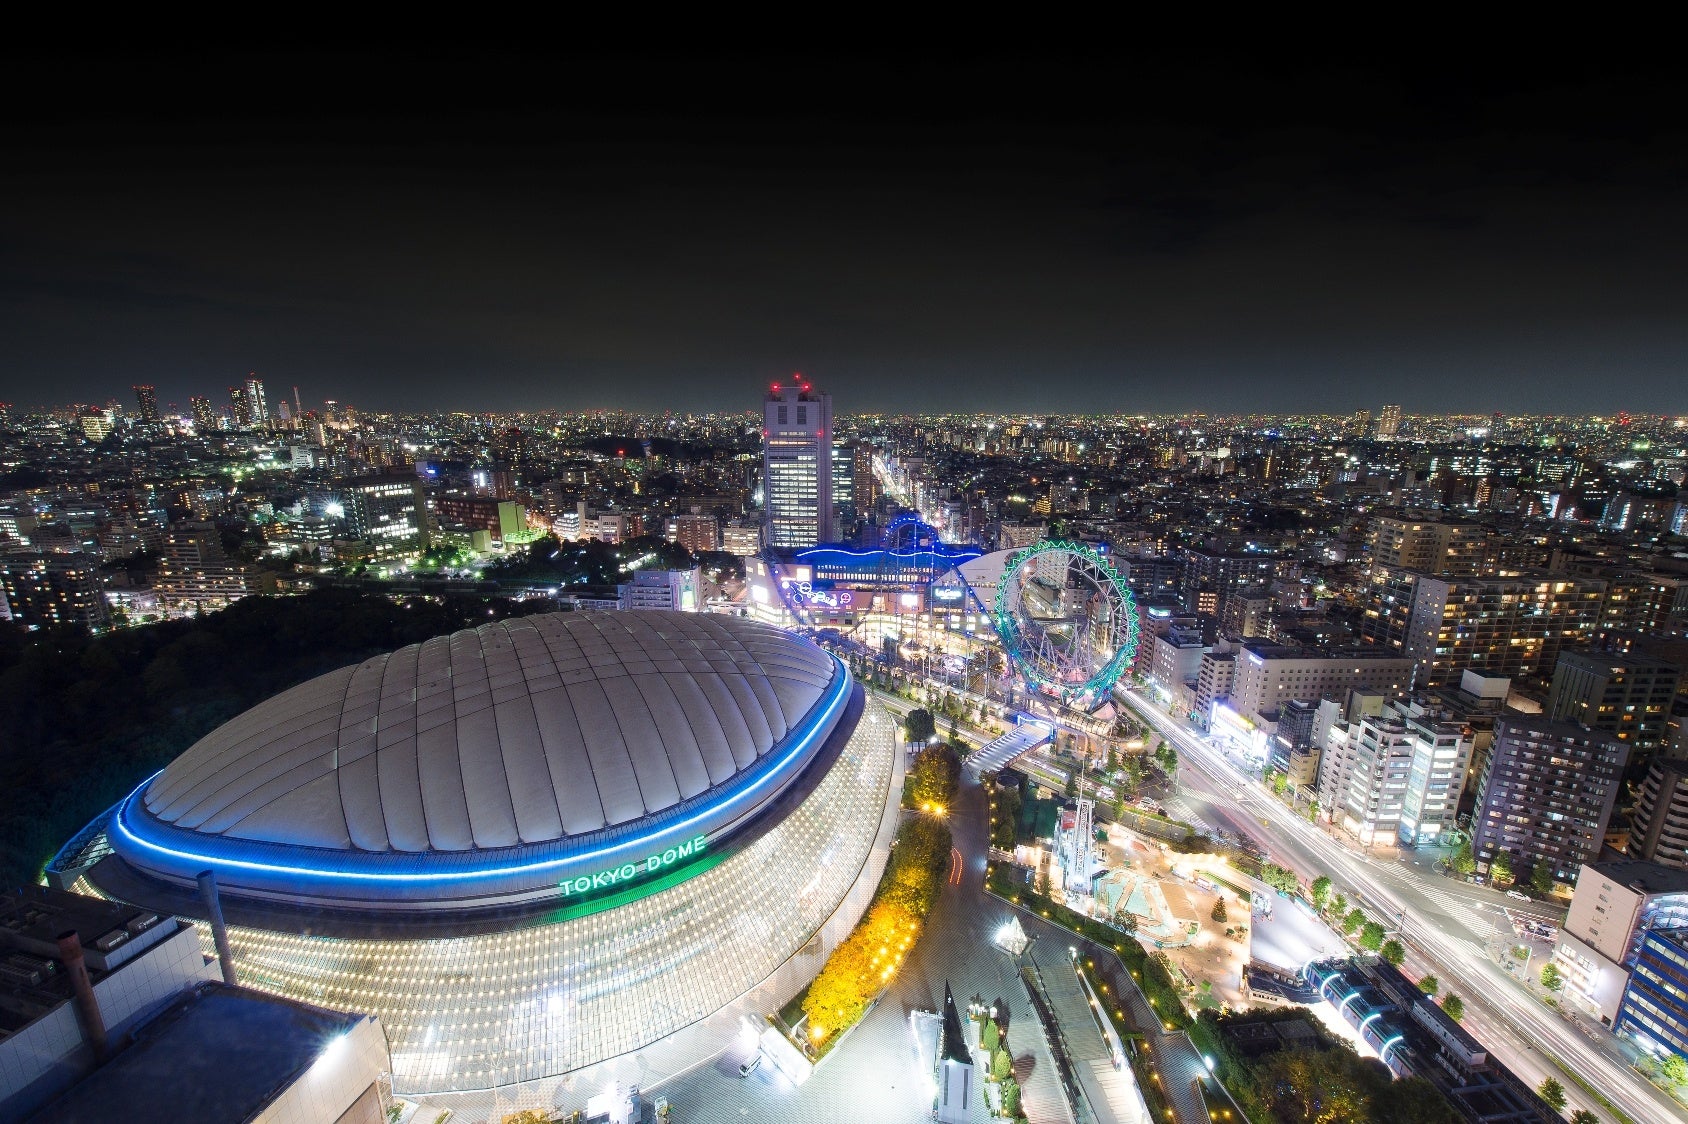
point(1628, 695)
point(1396, 776)
point(257, 407)
point(1210, 578)
point(146, 398)
point(43, 590)
point(1359, 423)
point(1448, 550)
point(797, 466)
point(697, 533)
point(866, 484)
point(1615, 906)
point(194, 570)
point(204, 419)
point(1389, 423)
point(241, 406)
point(1514, 626)
point(1546, 795)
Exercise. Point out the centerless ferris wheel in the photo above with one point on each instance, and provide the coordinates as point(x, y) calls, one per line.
point(1066, 618)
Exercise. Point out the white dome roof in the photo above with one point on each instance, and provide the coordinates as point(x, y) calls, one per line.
point(526, 731)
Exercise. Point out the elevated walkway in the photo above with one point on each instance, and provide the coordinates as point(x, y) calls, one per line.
point(1016, 743)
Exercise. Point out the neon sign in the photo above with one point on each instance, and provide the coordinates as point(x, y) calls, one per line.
point(626, 872)
point(807, 594)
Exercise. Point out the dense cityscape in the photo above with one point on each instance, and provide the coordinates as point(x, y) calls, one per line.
point(1338, 737)
point(1142, 582)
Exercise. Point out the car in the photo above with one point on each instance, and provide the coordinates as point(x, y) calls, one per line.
point(1519, 896)
point(745, 1069)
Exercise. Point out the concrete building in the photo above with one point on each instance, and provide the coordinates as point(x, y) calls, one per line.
point(742, 539)
point(662, 589)
point(1614, 904)
point(134, 960)
point(1625, 694)
point(1546, 795)
point(1395, 776)
point(228, 1053)
point(1445, 549)
point(797, 498)
point(195, 572)
point(1514, 626)
point(146, 397)
point(390, 513)
point(204, 418)
point(46, 590)
point(697, 533)
point(1658, 830)
point(1389, 423)
point(1175, 659)
point(1211, 578)
point(1269, 675)
point(1655, 1005)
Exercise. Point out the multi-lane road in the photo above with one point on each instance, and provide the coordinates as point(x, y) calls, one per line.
point(1445, 923)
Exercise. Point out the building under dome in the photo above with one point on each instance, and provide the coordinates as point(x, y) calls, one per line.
point(547, 845)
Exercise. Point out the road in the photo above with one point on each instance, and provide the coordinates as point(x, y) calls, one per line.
point(1446, 924)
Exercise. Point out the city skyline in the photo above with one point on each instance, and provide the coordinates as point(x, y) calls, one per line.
point(1043, 233)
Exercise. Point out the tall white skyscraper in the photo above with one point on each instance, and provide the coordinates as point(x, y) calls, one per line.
point(1389, 423)
point(797, 465)
point(257, 406)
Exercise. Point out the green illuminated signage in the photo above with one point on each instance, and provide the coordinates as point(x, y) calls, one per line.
point(626, 872)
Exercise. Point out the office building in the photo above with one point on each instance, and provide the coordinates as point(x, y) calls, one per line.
point(535, 847)
point(204, 418)
point(1655, 1005)
point(797, 498)
point(697, 533)
point(1625, 694)
point(1394, 777)
point(48, 590)
point(1389, 423)
point(866, 484)
point(241, 406)
point(661, 589)
point(390, 513)
point(1270, 675)
point(843, 491)
point(146, 398)
point(1448, 550)
point(1546, 795)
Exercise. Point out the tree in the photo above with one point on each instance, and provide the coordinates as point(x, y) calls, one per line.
point(1011, 1098)
point(1464, 863)
point(1393, 952)
point(1430, 985)
point(1001, 1064)
point(933, 776)
point(1072, 782)
point(989, 1037)
point(919, 726)
point(1553, 1093)
point(1279, 878)
point(1583, 1116)
point(1500, 870)
point(1371, 936)
point(1321, 891)
point(1675, 1069)
point(1541, 877)
point(1219, 913)
point(1339, 907)
point(1453, 1006)
point(1356, 917)
point(1551, 977)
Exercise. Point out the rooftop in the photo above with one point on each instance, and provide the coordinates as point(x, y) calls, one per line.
point(217, 1053)
point(1650, 878)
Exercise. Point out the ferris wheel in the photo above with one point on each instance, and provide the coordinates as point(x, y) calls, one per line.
point(1066, 617)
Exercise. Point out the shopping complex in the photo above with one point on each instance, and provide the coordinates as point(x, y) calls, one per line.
point(565, 848)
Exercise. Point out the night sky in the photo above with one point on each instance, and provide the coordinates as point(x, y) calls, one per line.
point(445, 231)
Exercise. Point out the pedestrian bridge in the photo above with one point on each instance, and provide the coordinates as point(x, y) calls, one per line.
point(1011, 746)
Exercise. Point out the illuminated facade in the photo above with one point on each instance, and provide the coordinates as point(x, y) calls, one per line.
point(555, 844)
point(797, 466)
